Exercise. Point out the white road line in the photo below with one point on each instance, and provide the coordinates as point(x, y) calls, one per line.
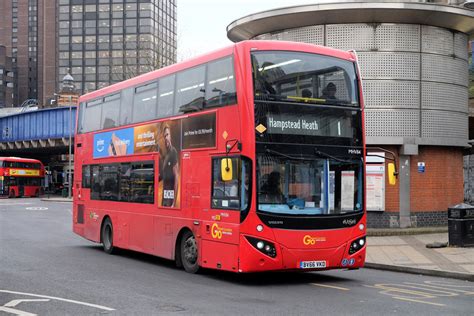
point(331, 286)
point(61, 299)
point(36, 208)
point(16, 302)
point(15, 311)
point(13, 204)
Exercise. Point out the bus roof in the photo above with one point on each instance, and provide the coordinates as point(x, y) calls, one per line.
point(18, 159)
point(216, 54)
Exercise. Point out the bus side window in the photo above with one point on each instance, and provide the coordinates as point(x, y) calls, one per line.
point(93, 112)
point(95, 183)
point(144, 102)
point(124, 183)
point(110, 111)
point(126, 107)
point(246, 187)
point(166, 96)
point(190, 89)
point(86, 177)
point(225, 194)
point(220, 88)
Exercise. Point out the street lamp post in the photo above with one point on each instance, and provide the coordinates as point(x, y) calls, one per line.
point(69, 179)
point(68, 90)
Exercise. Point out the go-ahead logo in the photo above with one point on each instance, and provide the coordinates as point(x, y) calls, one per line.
point(311, 240)
point(217, 232)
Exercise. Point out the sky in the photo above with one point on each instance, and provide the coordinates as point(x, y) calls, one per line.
point(202, 24)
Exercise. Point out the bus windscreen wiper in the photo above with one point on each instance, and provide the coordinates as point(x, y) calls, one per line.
point(270, 151)
point(323, 154)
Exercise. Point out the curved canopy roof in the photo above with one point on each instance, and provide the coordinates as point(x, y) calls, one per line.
point(450, 17)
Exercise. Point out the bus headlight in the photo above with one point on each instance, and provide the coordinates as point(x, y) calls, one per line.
point(356, 245)
point(265, 247)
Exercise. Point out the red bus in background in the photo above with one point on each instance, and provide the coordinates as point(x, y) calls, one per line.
point(20, 177)
point(249, 158)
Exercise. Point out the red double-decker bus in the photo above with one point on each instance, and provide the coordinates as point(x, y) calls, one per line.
point(249, 158)
point(20, 177)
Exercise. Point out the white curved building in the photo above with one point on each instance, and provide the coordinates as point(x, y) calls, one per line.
point(414, 64)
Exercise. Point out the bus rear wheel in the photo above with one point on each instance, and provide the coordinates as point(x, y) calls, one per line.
point(107, 236)
point(189, 252)
point(12, 194)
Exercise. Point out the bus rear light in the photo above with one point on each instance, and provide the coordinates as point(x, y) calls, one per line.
point(357, 245)
point(265, 247)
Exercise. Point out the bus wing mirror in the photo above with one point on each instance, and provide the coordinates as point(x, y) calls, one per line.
point(226, 169)
point(392, 174)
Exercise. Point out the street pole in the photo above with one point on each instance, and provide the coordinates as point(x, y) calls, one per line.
point(69, 188)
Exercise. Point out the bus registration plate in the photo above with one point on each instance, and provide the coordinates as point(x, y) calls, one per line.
point(313, 264)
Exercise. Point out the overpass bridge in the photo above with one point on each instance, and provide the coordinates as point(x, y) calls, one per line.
point(37, 134)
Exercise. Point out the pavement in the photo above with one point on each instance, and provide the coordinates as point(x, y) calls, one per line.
point(409, 254)
point(54, 198)
point(404, 250)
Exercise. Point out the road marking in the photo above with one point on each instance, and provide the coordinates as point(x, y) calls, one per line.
point(386, 289)
point(13, 204)
point(421, 292)
point(417, 301)
point(60, 299)
point(36, 208)
point(16, 302)
point(331, 286)
point(15, 311)
point(7, 307)
point(442, 292)
point(454, 290)
point(447, 285)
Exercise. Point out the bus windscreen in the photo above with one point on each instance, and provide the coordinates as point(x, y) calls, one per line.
point(304, 77)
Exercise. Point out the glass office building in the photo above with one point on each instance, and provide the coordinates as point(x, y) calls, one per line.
point(101, 42)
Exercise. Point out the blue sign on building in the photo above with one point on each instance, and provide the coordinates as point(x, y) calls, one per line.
point(421, 167)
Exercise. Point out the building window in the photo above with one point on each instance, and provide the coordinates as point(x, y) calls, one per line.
point(76, 8)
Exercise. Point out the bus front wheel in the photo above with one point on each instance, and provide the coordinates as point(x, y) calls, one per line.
point(189, 252)
point(107, 236)
point(12, 194)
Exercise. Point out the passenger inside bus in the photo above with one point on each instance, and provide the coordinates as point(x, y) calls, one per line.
point(329, 92)
point(271, 190)
point(306, 93)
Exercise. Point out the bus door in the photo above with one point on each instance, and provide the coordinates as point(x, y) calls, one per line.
point(220, 238)
point(21, 186)
point(3, 191)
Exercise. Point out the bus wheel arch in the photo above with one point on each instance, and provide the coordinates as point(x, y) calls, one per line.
point(12, 194)
point(107, 235)
point(186, 251)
